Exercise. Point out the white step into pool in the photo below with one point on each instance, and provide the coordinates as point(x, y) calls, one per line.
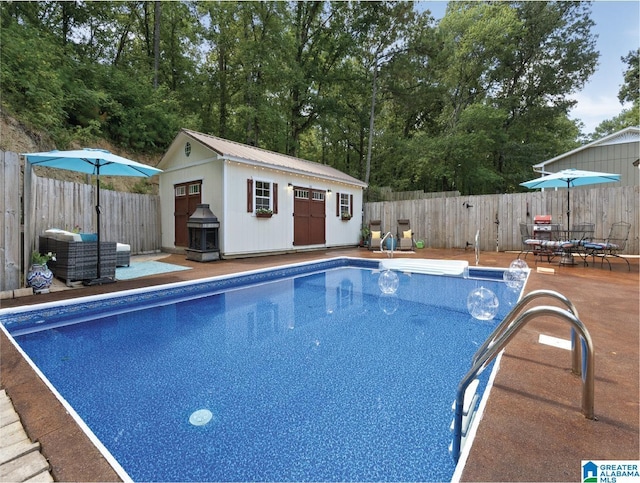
point(427, 266)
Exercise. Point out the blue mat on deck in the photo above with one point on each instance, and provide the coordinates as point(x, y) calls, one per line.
point(144, 269)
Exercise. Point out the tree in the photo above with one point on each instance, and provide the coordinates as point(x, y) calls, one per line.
point(521, 59)
point(375, 89)
point(629, 92)
point(381, 30)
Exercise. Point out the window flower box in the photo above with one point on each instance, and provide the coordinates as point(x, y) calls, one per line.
point(262, 213)
point(345, 216)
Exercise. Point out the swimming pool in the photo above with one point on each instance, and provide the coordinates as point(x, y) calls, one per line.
point(306, 372)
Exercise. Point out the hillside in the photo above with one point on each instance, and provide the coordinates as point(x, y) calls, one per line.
point(16, 137)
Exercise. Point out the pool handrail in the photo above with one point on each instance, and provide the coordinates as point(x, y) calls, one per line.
point(575, 347)
point(492, 351)
point(387, 235)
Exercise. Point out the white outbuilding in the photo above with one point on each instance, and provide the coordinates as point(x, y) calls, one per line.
point(265, 202)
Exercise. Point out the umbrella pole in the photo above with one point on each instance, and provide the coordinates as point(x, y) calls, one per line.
point(568, 209)
point(98, 221)
point(99, 280)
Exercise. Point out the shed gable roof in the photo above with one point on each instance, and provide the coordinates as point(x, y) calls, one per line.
point(626, 135)
point(244, 153)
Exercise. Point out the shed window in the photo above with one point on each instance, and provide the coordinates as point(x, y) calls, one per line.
point(344, 204)
point(262, 195)
point(181, 190)
point(302, 194)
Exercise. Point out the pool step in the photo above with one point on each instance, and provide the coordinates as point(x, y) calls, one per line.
point(20, 459)
point(430, 267)
point(469, 410)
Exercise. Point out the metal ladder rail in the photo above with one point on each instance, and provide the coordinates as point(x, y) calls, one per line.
point(477, 247)
point(575, 347)
point(491, 352)
point(387, 235)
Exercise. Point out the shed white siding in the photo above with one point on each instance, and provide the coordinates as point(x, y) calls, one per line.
point(224, 167)
point(198, 166)
point(247, 234)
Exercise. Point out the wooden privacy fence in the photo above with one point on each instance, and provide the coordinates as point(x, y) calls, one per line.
point(128, 218)
point(453, 222)
point(10, 220)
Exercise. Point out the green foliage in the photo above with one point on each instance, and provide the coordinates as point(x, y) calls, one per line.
point(143, 187)
point(137, 117)
point(31, 74)
point(468, 104)
point(41, 259)
point(107, 185)
point(627, 118)
point(630, 90)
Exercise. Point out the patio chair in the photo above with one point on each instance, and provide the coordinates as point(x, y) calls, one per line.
point(611, 247)
point(581, 234)
point(528, 243)
point(545, 243)
point(375, 234)
point(404, 235)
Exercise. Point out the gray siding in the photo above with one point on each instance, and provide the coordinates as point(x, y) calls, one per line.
point(615, 158)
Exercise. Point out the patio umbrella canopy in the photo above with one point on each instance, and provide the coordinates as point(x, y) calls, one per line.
point(96, 162)
point(568, 178)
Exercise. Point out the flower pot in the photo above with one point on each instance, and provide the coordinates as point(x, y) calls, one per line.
point(264, 215)
point(39, 278)
point(420, 244)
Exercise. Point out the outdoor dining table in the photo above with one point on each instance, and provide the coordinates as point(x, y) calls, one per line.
point(565, 243)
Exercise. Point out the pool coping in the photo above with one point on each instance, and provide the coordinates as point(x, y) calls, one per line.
point(106, 454)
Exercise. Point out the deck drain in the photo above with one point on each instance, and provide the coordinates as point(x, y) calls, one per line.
point(200, 417)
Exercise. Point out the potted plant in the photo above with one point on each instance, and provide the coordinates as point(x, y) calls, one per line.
point(39, 277)
point(263, 213)
point(345, 215)
point(364, 236)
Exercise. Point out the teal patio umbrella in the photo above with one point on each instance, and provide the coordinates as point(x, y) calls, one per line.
point(569, 178)
point(96, 162)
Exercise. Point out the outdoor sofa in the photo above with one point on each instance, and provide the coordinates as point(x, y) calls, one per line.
point(77, 255)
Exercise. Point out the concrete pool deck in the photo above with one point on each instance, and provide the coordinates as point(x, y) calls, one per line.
point(532, 428)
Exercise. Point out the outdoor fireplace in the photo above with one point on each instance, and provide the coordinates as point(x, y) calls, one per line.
point(203, 228)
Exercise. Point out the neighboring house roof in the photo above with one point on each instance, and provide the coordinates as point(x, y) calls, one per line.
point(626, 135)
point(256, 156)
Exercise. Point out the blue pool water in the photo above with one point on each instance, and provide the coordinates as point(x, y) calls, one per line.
point(312, 377)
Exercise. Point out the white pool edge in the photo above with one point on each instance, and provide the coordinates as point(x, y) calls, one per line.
point(76, 417)
point(464, 455)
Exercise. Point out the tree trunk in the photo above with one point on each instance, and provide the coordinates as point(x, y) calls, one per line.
point(156, 44)
point(371, 122)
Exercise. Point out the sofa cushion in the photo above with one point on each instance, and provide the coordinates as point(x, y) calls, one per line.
point(86, 237)
point(63, 235)
point(601, 246)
